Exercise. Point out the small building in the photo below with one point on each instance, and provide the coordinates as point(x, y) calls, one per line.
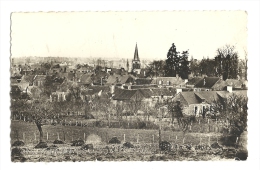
point(195, 103)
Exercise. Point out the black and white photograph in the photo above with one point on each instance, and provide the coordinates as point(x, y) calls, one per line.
point(120, 84)
point(128, 86)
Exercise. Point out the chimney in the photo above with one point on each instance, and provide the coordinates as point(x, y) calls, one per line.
point(112, 89)
point(229, 89)
point(50, 98)
point(186, 81)
point(178, 90)
point(58, 95)
point(64, 96)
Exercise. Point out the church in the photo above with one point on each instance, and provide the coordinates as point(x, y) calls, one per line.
point(136, 64)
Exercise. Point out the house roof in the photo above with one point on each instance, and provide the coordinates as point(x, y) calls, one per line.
point(71, 75)
point(188, 98)
point(118, 79)
point(141, 81)
point(27, 78)
point(39, 78)
point(209, 96)
point(207, 82)
point(125, 95)
point(143, 86)
point(147, 93)
point(194, 80)
point(85, 79)
point(234, 83)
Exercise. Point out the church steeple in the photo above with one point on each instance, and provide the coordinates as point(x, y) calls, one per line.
point(136, 56)
point(136, 67)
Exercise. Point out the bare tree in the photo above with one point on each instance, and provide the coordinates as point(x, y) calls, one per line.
point(227, 62)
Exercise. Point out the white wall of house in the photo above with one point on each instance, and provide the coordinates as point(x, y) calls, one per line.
point(190, 110)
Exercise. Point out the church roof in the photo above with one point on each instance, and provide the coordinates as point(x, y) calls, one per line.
point(136, 56)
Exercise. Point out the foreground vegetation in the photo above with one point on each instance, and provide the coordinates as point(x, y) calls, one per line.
point(145, 144)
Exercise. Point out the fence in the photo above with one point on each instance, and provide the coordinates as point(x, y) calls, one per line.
point(147, 136)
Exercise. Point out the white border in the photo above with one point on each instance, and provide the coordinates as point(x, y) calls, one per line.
point(252, 7)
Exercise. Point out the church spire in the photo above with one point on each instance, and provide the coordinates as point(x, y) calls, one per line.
point(136, 56)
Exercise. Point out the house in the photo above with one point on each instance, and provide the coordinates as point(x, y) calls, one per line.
point(39, 80)
point(58, 96)
point(150, 96)
point(167, 81)
point(195, 103)
point(95, 91)
point(85, 69)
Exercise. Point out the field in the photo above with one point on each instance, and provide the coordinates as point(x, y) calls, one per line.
point(146, 147)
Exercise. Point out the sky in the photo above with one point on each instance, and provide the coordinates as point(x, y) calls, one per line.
point(115, 34)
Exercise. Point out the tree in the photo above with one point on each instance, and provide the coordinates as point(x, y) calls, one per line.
point(176, 110)
point(40, 111)
point(233, 109)
point(148, 110)
point(227, 62)
point(194, 66)
point(135, 103)
point(208, 67)
point(172, 62)
point(118, 109)
point(184, 69)
point(156, 68)
point(177, 64)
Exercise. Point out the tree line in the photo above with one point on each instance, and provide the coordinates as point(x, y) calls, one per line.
point(225, 64)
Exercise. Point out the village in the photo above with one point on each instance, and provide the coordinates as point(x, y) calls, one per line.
point(59, 82)
point(129, 95)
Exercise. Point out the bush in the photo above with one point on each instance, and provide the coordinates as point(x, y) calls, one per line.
point(114, 140)
point(87, 146)
point(242, 155)
point(165, 146)
point(16, 152)
point(89, 116)
point(18, 143)
point(229, 140)
point(215, 145)
point(52, 147)
point(128, 145)
point(58, 142)
point(79, 142)
point(41, 145)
